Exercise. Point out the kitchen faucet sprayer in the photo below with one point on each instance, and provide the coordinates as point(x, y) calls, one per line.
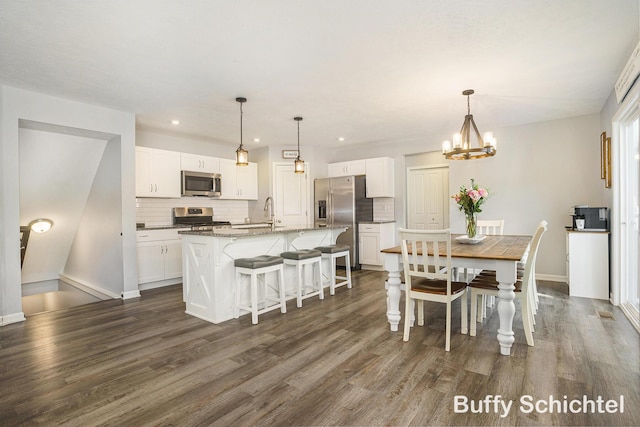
point(268, 208)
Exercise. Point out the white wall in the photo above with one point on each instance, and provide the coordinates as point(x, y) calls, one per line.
point(93, 259)
point(164, 141)
point(62, 116)
point(540, 171)
point(56, 173)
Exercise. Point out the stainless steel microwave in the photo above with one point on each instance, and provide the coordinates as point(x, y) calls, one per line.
point(201, 184)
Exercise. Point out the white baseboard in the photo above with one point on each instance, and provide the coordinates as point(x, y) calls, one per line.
point(552, 278)
point(130, 294)
point(12, 318)
point(89, 288)
point(159, 284)
point(372, 267)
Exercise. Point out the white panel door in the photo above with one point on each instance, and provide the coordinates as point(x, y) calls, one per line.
point(416, 200)
point(427, 198)
point(291, 195)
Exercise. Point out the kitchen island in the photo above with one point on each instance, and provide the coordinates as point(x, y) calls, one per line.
point(208, 262)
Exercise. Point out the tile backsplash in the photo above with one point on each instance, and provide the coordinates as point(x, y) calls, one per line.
point(157, 212)
point(384, 209)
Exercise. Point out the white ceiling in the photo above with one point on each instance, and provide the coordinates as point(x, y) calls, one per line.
point(371, 71)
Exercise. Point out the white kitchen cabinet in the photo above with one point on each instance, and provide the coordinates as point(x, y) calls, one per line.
point(159, 255)
point(196, 163)
point(588, 264)
point(157, 173)
point(372, 239)
point(239, 182)
point(379, 172)
point(353, 167)
point(380, 177)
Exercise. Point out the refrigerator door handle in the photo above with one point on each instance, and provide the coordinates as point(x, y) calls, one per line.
point(330, 209)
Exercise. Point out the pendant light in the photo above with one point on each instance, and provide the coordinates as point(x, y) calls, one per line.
point(242, 155)
point(462, 149)
point(298, 164)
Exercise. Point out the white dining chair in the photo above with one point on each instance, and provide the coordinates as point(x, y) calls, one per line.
point(428, 277)
point(490, 227)
point(533, 286)
point(486, 284)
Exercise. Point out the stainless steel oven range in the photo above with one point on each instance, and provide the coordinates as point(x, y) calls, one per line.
point(200, 219)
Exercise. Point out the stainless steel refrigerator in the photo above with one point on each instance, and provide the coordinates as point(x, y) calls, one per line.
point(342, 201)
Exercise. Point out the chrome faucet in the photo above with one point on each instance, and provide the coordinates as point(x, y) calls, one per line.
point(268, 209)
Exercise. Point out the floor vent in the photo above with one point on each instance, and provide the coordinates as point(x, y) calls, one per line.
point(605, 315)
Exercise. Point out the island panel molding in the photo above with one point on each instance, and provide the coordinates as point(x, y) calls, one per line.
point(208, 263)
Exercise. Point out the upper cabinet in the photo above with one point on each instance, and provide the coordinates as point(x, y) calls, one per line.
point(196, 163)
point(380, 177)
point(354, 167)
point(239, 182)
point(157, 173)
point(379, 173)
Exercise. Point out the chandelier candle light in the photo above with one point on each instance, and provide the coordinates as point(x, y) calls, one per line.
point(242, 155)
point(298, 164)
point(469, 202)
point(462, 149)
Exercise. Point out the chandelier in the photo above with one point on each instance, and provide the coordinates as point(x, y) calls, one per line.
point(461, 149)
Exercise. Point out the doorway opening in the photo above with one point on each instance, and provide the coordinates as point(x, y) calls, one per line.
point(66, 175)
point(626, 212)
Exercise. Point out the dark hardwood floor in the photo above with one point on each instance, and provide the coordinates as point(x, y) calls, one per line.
point(332, 362)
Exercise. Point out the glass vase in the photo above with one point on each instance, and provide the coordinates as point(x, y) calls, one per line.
point(471, 225)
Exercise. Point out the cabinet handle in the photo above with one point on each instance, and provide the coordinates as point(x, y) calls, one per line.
point(166, 249)
point(156, 187)
point(161, 249)
point(151, 188)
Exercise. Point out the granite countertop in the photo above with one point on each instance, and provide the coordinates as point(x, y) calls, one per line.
point(389, 221)
point(257, 231)
point(162, 227)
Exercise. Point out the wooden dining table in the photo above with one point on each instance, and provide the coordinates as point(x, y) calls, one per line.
point(499, 253)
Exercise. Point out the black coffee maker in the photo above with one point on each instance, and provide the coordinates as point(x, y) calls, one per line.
point(595, 219)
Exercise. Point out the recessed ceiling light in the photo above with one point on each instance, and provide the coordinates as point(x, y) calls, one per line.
point(175, 122)
point(340, 138)
point(256, 139)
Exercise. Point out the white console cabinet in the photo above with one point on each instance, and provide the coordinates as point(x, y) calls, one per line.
point(588, 264)
point(159, 255)
point(372, 239)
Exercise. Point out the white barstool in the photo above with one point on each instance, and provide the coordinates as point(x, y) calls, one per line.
point(331, 253)
point(300, 259)
point(253, 267)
